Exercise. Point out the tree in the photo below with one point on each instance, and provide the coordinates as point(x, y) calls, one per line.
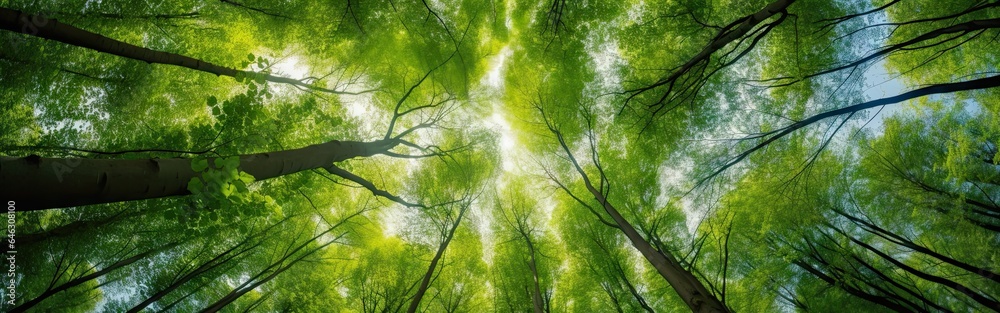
point(520, 219)
point(691, 291)
point(41, 26)
point(525, 156)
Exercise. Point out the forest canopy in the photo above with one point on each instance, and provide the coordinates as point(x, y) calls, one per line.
point(500, 156)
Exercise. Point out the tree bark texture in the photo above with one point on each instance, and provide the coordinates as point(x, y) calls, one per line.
point(37, 183)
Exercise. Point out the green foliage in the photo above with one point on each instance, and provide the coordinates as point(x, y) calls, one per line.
point(219, 185)
point(473, 142)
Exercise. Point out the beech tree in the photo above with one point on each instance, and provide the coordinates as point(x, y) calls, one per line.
point(471, 156)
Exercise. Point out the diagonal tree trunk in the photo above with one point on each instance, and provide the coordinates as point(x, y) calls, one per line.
point(83, 279)
point(880, 300)
point(425, 282)
point(245, 246)
point(903, 241)
point(293, 255)
point(76, 227)
point(727, 35)
point(687, 286)
point(39, 26)
point(37, 183)
point(773, 135)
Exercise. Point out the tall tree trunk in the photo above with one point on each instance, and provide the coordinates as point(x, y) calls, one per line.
point(942, 280)
point(726, 35)
point(900, 240)
point(246, 245)
point(687, 286)
point(76, 227)
point(288, 260)
point(692, 291)
point(40, 26)
point(37, 183)
point(83, 279)
point(425, 282)
point(536, 294)
point(880, 300)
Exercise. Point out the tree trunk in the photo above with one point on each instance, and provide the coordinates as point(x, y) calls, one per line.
point(687, 286)
point(37, 183)
point(900, 240)
point(76, 227)
point(426, 281)
point(246, 245)
point(287, 261)
point(40, 26)
point(692, 291)
point(728, 34)
point(83, 279)
point(880, 300)
point(536, 294)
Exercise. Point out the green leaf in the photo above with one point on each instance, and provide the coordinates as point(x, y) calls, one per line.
point(246, 178)
point(227, 190)
point(240, 186)
point(199, 165)
point(195, 185)
point(212, 101)
point(250, 57)
point(232, 162)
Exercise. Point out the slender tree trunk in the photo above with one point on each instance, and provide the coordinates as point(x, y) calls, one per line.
point(37, 183)
point(900, 240)
point(687, 286)
point(83, 279)
point(944, 281)
point(632, 290)
point(75, 227)
point(286, 262)
point(774, 135)
point(849, 280)
point(880, 300)
point(237, 293)
point(426, 281)
point(536, 294)
point(246, 245)
point(728, 34)
point(40, 26)
point(692, 291)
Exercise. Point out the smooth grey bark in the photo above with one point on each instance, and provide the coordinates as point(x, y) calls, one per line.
point(37, 183)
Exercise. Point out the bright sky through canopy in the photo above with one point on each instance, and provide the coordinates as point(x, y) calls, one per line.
point(500, 156)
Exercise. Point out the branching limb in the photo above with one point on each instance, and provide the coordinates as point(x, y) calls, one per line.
point(736, 30)
point(774, 135)
point(830, 22)
point(333, 169)
point(258, 10)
